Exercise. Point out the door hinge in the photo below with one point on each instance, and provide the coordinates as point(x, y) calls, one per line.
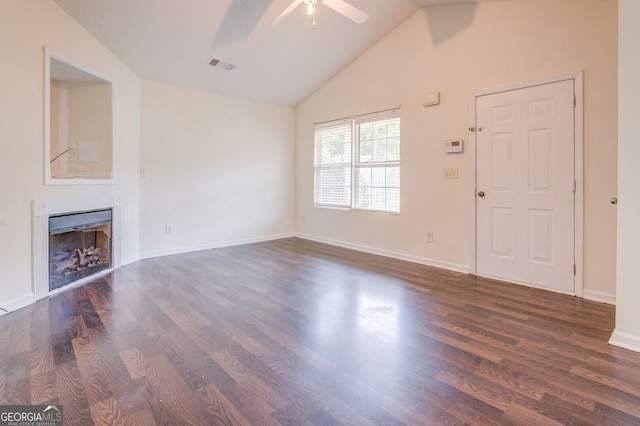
point(575, 186)
point(574, 101)
point(575, 270)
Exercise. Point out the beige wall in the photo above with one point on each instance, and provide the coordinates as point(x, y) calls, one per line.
point(83, 112)
point(57, 113)
point(219, 170)
point(627, 333)
point(457, 50)
point(25, 28)
point(90, 120)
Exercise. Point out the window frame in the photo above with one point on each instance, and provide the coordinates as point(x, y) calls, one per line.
point(319, 165)
point(355, 162)
point(389, 115)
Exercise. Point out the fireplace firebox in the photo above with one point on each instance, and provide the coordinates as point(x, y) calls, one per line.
point(79, 246)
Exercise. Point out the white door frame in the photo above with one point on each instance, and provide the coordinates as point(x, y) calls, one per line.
point(577, 79)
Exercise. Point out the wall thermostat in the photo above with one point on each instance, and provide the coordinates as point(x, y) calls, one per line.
point(453, 146)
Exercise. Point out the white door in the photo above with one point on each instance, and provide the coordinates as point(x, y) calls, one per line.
point(525, 226)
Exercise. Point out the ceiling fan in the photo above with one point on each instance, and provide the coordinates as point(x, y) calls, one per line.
point(342, 7)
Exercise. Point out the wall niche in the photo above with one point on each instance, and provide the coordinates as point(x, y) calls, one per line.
point(78, 109)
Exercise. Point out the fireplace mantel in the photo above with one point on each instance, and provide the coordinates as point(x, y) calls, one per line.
point(42, 209)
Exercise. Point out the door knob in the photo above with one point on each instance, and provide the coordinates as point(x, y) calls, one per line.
point(614, 200)
point(481, 194)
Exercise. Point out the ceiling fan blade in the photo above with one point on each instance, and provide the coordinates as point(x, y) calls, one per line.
point(286, 12)
point(342, 7)
point(240, 19)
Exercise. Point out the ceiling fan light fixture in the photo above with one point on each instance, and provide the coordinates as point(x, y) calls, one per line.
point(341, 6)
point(310, 6)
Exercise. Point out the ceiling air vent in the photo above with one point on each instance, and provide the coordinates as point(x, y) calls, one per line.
point(217, 63)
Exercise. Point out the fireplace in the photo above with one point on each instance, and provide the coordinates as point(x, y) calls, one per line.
point(74, 241)
point(79, 246)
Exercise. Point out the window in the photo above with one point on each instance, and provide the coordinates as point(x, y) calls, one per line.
point(332, 180)
point(364, 175)
point(377, 163)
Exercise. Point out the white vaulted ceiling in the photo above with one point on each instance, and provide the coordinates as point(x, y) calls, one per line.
point(172, 41)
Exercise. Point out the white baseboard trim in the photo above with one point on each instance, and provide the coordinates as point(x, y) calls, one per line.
point(20, 302)
point(213, 245)
point(599, 296)
point(625, 340)
point(388, 253)
point(129, 260)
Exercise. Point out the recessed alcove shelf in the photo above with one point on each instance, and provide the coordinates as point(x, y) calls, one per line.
point(78, 131)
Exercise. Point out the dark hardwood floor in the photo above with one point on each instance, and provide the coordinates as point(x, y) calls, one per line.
point(295, 332)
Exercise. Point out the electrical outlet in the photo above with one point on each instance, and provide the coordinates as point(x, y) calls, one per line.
point(429, 236)
point(168, 229)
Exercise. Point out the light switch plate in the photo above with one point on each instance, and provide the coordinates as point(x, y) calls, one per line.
point(451, 173)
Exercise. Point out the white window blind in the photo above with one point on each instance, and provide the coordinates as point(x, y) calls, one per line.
point(363, 175)
point(377, 165)
point(332, 164)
